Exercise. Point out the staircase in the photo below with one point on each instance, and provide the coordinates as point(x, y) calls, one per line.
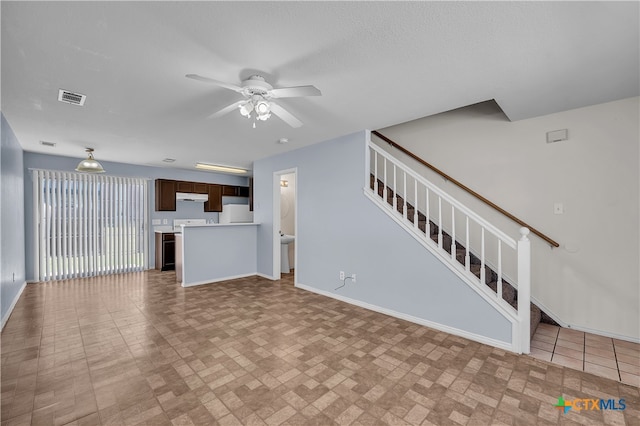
point(509, 293)
point(495, 265)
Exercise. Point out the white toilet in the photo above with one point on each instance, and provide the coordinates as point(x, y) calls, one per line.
point(284, 253)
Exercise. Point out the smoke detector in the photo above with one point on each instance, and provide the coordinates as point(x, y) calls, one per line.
point(71, 97)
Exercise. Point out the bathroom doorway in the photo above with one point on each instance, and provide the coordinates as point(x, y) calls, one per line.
point(285, 225)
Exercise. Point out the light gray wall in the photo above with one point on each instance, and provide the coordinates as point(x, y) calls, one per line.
point(219, 252)
point(184, 210)
point(12, 264)
point(592, 281)
point(340, 229)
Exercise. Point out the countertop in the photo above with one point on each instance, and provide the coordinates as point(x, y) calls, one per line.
point(217, 225)
point(208, 225)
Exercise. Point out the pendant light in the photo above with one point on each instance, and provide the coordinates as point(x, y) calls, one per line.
point(89, 165)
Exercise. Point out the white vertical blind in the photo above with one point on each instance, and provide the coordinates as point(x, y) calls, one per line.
point(89, 224)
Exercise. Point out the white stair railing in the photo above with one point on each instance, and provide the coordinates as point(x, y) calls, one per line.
point(396, 189)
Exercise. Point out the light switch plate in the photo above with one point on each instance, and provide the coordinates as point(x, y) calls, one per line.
point(156, 221)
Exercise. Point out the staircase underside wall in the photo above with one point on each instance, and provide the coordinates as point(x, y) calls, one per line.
point(340, 229)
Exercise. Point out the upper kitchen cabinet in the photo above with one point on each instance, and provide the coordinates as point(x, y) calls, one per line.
point(182, 186)
point(243, 191)
point(235, 191)
point(229, 190)
point(165, 195)
point(200, 188)
point(214, 204)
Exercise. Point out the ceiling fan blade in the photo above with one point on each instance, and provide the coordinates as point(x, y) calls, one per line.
point(216, 82)
point(285, 115)
point(295, 92)
point(226, 110)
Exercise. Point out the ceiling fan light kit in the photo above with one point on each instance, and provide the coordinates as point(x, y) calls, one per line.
point(259, 95)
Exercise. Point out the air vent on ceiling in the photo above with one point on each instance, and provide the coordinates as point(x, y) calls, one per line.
point(47, 143)
point(71, 98)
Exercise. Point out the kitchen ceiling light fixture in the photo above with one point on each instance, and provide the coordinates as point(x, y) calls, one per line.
point(90, 165)
point(220, 168)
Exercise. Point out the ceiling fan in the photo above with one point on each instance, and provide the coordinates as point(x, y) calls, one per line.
point(258, 98)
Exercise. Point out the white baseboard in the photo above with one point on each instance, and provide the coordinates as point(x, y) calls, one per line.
point(269, 277)
point(215, 280)
point(603, 333)
point(437, 326)
point(6, 316)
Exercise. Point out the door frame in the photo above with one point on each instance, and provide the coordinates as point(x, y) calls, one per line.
point(275, 232)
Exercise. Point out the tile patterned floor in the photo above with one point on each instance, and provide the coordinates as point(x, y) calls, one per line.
point(603, 356)
point(138, 349)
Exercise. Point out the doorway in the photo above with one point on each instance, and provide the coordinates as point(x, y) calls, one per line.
point(285, 224)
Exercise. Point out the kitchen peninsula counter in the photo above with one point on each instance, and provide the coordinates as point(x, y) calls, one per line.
point(216, 252)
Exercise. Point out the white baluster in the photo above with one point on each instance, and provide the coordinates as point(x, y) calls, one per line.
point(453, 233)
point(395, 190)
point(482, 271)
point(499, 285)
point(439, 221)
point(524, 288)
point(404, 195)
point(427, 227)
point(467, 258)
point(415, 204)
point(385, 183)
point(375, 173)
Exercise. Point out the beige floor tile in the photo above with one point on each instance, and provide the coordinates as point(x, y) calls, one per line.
point(609, 373)
point(568, 352)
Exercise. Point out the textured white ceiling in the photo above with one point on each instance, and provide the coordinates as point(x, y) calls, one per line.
point(377, 64)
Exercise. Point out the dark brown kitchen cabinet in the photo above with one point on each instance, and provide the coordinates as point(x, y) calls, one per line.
point(200, 188)
point(229, 190)
point(165, 195)
point(243, 191)
point(235, 191)
point(214, 204)
point(182, 186)
point(165, 251)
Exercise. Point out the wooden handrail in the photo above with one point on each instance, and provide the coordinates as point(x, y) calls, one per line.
point(466, 188)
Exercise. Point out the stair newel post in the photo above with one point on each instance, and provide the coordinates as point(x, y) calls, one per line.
point(524, 289)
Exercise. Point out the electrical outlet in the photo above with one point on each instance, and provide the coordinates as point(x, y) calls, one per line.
point(353, 278)
point(165, 221)
point(342, 275)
